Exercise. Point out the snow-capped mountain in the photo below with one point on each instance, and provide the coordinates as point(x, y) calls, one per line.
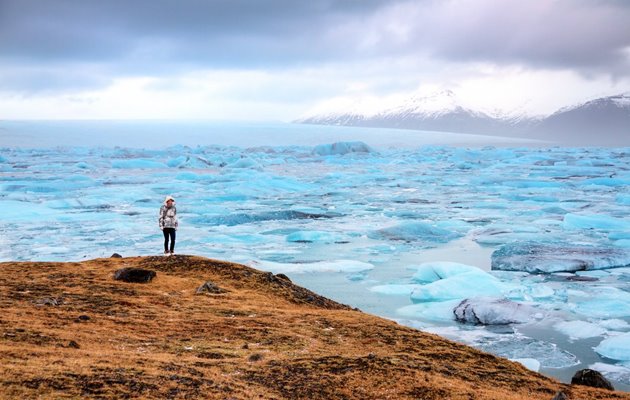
point(603, 121)
point(442, 111)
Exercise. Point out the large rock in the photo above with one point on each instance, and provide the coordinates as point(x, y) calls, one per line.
point(590, 377)
point(134, 275)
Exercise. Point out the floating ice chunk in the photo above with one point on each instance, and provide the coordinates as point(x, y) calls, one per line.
point(433, 271)
point(137, 163)
point(492, 311)
point(579, 329)
point(461, 286)
point(593, 221)
point(526, 184)
point(238, 219)
point(341, 148)
point(531, 292)
point(246, 162)
point(346, 266)
point(622, 243)
point(415, 231)
point(394, 289)
point(593, 274)
point(610, 302)
point(546, 258)
point(83, 165)
point(498, 234)
point(177, 162)
point(619, 235)
point(515, 347)
point(606, 182)
point(426, 274)
point(615, 324)
point(622, 272)
point(615, 347)
point(14, 211)
point(315, 237)
point(530, 363)
point(436, 311)
point(615, 373)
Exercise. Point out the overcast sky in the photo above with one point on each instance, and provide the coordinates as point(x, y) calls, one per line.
point(280, 59)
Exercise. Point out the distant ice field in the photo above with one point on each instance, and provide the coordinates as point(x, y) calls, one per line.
point(506, 245)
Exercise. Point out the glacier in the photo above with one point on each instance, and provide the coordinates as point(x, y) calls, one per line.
point(406, 225)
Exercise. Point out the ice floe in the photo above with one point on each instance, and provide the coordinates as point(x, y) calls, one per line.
point(546, 258)
point(580, 329)
point(493, 311)
point(460, 286)
point(346, 266)
point(615, 347)
point(415, 232)
point(616, 373)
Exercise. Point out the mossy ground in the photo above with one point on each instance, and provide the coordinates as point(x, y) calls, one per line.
point(69, 330)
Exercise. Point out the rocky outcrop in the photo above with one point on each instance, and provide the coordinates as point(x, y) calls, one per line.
point(209, 288)
point(134, 275)
point(592, 378)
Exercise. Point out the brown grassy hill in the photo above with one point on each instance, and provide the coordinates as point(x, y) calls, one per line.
point(69, 330)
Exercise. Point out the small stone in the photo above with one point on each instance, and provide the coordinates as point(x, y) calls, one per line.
point(48, 301)
point(209, 287)
point(255, 357)
point(592, 378)
point(74, 344)
point(134, 275)
point(116, 255)
point(82, 318)
point(560, 396)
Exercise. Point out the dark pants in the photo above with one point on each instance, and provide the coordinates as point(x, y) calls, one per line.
point(169, 232)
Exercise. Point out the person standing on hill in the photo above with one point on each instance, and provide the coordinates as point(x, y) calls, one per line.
point(168, 224)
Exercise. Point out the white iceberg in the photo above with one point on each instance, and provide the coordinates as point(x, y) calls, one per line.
point(469, 284)
point(579, 329)
point(492, 311)
point(615, 347)
point(346, 266)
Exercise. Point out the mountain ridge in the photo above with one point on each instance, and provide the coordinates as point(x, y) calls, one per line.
point(602, 121)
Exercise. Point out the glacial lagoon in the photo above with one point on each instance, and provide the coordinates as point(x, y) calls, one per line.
point(402, 224)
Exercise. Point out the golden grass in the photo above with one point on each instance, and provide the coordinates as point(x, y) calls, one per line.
point(69, 330)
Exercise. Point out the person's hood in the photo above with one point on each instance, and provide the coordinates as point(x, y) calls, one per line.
point(169, 198)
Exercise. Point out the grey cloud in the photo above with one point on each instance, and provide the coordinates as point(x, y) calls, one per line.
point(220, 32)
point(165, 37)
point(584, 35)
